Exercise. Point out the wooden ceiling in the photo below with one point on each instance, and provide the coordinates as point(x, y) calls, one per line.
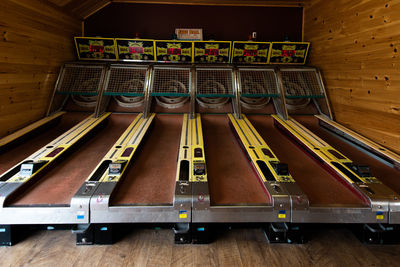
point(84, 8)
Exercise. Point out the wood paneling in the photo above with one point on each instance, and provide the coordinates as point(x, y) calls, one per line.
point(35, 38)
point(356, 44)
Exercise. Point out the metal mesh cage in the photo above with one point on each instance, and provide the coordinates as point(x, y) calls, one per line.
point(126, 80)
point(300, 83)
point(214, 82)
point(81, 79)
point(171, 82)
point(258, 82)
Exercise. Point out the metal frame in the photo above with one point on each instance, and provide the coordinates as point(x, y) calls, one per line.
point(102, 106)
point(178, 212)
point(378, 205)
point(76, 212)
point(100, 86)
point(319, 80)
point(281, 191)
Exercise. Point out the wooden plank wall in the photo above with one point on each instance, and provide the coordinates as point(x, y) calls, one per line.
point(357, 46)
point(35, 38)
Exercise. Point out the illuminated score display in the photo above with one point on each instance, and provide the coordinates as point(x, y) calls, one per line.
point(146, 50)
point(95, 48)
point(289, 52)
point(174, 51)
point(135, 49)
point(250, 53)
point(245, 52)
point(212, 51)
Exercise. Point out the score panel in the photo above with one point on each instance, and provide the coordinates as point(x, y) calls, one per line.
point(135, 49)
point(212, 51)
point(88, 48)
point(250, 52)
point(288, 53)
point(174, 51)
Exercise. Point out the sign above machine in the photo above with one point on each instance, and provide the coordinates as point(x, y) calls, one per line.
point(212, 51)
point(92, 48)
point(250, 52)
point(288, 53)
point(180, 51)
point(174, 51)
point(135, 49)
point(189, 34)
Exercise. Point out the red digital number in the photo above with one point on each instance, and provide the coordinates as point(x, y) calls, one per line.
point(211, 52)
point(96, 48)
point(250, 53)
point(288, 53)
point(135, 50)
point(173, 51)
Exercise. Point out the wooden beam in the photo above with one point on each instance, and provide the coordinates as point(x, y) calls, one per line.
point(282, 3)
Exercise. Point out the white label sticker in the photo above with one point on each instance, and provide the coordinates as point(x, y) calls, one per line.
point(114, 169)
point(26, 170)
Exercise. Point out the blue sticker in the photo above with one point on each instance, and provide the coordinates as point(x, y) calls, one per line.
point(80, 217)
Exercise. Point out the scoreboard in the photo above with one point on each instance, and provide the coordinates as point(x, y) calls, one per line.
point(250, 52)
point(289, 53)
point(174, 51)
point(135, 49)
point(88, 48)
point(212, 51)
point(179, 51)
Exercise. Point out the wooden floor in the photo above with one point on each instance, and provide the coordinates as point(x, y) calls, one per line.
point(237, 247)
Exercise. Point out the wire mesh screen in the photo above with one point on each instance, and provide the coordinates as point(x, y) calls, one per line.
point(81, 79)
point(171, 82)
point(301, 83)
point(257, 82)
point(126, 81)
point(214, 82)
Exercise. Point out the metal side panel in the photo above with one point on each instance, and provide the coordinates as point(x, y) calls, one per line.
point(100, 209)
point(13, 179)
point(339, 215)
point(77, 212)
point(43, 215)
point(238, 214)
point(360, 140)
point(26, 130)
point(340, 165)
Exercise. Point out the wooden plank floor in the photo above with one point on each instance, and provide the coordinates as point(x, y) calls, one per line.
point(237, 247)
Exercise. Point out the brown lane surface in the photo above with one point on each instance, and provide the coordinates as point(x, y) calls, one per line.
point(151, 177)
point(58, 186)
point(385, 173)
point(317, 183)
point(23, 150)
point(231, 178)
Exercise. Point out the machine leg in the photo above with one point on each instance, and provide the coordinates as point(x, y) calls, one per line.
point(378, 234)
point(201, 233)
point(84, 234)
point(182, 233)
point(296, 234)
point(6, 235)
point(103, 234)
point(285, 233)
